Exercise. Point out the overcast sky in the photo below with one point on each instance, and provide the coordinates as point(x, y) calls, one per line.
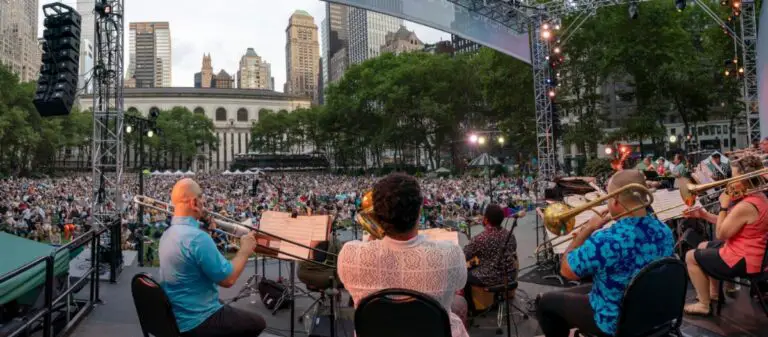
point(225, 28)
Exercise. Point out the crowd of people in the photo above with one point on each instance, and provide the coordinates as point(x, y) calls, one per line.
point(57, 209)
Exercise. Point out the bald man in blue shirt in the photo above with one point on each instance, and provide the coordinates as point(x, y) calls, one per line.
point(192, 269)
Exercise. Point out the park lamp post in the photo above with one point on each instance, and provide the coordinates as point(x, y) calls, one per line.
point(144, 127)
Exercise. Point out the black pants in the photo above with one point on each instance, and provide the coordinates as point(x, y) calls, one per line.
point(560, 311)
point(229, 322)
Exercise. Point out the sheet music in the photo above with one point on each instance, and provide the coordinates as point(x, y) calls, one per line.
point(438, 234)
point(302, 230)
point(663, 199)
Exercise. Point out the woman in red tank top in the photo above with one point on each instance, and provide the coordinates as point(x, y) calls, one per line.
point(741, 238)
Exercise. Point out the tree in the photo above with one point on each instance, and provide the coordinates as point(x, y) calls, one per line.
point(181, 135)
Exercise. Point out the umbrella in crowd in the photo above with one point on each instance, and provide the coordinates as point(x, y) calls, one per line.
point(484, 160)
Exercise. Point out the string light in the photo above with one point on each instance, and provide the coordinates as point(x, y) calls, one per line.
point(557, 50)
point(546, 34)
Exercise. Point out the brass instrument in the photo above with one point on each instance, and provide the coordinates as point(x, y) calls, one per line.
point(367, 219)
point(689, 191)
point(232, 228)
point(560, 219)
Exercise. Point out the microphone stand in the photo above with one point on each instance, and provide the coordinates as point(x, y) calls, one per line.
point(506, 276)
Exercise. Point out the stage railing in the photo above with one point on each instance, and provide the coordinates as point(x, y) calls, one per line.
point(50, 304)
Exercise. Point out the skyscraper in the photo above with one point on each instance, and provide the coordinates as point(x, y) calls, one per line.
point(302, 50)
point(253, 73)
point(204, 78)
point(367, 33)
point(18, 38)
point(335, 34)
point(85, 80)
point(149, 54)
point(85, 9)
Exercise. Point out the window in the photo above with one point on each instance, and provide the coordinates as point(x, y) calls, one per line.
point(672, 131)
point(242, 115)
point(221, 114)
point(725, 142)
point(199, 110)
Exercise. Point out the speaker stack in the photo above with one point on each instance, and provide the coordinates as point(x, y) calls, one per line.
point(57, 85)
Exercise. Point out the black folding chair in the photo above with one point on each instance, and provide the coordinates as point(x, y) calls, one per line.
point(153, 307)
point(402, 313)
point(653, 302)
point(754, 286)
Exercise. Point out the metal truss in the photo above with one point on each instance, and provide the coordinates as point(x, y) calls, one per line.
point(544, 126)
point(749, 59)
point(107, 114)
point(512, 14)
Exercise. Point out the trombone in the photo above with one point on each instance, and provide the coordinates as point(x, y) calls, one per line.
point(232, 228)
point(560, 219)
point(689, 191)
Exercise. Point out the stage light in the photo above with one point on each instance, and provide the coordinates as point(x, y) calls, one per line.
point(608, 151)
point(473, 139)
point(557, 50)
point(545, 26)
point(103, 8)
point(150, 133)
point(736, 4)
point(128, 129)
point(633, 12)
point(546, 34)
point(551, 93)
point(672, 139)
point(680, 5)
point(557, 27)
point(735, 61)
point(481, 140)
point(624, 149)
point(741, 70)
point(727, 73)
point(501, 140)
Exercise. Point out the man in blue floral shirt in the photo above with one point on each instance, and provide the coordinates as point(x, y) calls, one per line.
point(612, 257)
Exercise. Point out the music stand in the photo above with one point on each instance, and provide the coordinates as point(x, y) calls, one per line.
point(651, 175)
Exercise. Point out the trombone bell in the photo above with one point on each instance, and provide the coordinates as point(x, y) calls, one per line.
point(688, 191)
point(555, 222)
point(367, 219)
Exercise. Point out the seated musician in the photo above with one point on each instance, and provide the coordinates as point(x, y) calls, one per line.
point(191, 269)
point(641, 238)
point(741, 230)
point(646, 164)
point(403, 258)
point(721, 170)
point(487, 248)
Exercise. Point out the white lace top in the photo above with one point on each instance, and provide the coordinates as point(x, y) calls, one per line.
point(435, 268)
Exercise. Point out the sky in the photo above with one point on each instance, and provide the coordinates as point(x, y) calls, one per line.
point(225, 29)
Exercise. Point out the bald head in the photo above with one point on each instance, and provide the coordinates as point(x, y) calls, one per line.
point(184, 197)
point(624, 178)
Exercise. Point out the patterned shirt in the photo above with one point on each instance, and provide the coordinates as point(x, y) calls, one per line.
point(435, 268)
point(487, 247)
point(614, 256)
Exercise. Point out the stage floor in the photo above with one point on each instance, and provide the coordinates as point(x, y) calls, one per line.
point(116, 317)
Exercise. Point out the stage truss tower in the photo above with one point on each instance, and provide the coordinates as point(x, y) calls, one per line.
point(107, 146)
point(529, 16)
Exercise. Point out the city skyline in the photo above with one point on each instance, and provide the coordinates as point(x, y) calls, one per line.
point(243, 24)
